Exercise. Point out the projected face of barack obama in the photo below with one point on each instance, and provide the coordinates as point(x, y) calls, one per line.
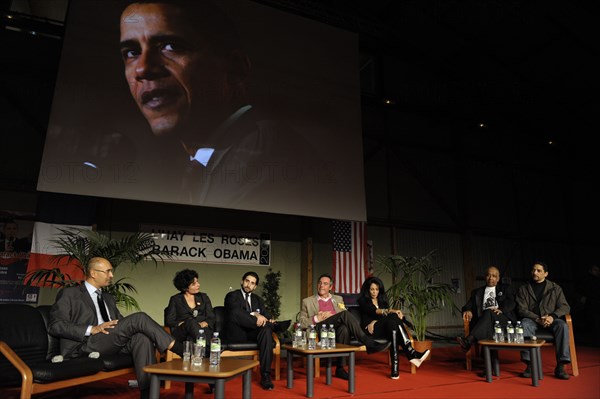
point(185, 77)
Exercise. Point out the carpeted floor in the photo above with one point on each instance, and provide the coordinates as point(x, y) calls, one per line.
point(442, 377)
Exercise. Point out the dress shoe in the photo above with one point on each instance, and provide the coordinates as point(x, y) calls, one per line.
point(417, 358)
point(281, 326)
point(464, 343)
point(266, 383)
point(527, 372)
point(341, 373)
point(374, 346)
point(560, 373)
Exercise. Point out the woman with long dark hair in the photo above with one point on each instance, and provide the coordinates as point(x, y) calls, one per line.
point(380, 322)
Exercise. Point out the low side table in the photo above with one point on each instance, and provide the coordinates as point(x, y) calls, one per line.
point(341, 350)
point(177, 370)
point(533, 347)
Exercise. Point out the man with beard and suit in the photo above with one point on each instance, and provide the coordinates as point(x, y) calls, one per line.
point(247, 319)
point(87, 320)
point(493, 302)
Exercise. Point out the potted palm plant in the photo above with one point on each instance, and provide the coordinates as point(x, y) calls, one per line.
point(80, 245)
point(414, 289)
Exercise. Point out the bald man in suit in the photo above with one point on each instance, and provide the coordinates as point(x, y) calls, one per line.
point(87, 320)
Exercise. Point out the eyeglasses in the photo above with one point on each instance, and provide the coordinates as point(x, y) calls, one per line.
point(105, 271)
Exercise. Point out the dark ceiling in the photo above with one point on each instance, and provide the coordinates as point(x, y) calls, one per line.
point(527, 69)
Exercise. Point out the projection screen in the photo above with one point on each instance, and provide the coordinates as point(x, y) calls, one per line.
point(230, 104)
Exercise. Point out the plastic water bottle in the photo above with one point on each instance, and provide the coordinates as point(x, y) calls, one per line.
point(199, 348)
point(331, 337)
point(312, 337)
point(215, 349)
point(324, 337)
point(519, 333)
point(498, 336)
point(510, 332)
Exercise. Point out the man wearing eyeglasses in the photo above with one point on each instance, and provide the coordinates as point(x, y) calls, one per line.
point(326, 308)
point(87, 320)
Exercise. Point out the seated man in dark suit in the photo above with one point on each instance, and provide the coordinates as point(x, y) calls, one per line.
point(493, 302)
point(87, 320)
point(247, 319)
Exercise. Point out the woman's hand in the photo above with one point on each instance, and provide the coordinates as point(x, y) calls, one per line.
point(203, 324)
point(371, 327)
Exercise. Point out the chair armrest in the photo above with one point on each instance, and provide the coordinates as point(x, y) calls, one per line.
point(277, 348)
point(24, 370)
point(466, 326)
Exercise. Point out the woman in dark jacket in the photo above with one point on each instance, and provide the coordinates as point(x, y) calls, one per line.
point(380, 321)
point(190, 310)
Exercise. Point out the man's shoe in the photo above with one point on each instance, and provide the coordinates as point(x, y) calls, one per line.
point(266, 383)
point(560, 373)
point(374, 346)
point(464, 343)
point(417, 358)
point(527, 372)
point(341, 373)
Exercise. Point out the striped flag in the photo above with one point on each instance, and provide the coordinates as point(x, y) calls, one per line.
point(56, 212)
point(349, 255)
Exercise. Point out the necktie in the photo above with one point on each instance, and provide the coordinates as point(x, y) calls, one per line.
point(102, 306)
point(246, 299)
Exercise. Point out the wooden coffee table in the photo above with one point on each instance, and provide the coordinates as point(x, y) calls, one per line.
point(533, 347)
point(341, 350)
point(177, 370)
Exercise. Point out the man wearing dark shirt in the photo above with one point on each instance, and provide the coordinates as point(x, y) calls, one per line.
point(541, 303)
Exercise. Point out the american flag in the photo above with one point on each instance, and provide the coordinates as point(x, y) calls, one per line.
point(349, 255)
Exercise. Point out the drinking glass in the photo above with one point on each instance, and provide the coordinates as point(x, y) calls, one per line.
point(303, 340)
point(198, 354)
point(187, 351)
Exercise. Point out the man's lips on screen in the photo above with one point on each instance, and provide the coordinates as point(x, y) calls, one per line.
point(158, 98)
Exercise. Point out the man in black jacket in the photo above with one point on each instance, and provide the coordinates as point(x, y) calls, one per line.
point(541, 303)
point(247, 319)
point(493, 302)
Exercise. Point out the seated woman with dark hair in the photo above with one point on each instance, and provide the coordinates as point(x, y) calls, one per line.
point(380, 321)
point(190, 310)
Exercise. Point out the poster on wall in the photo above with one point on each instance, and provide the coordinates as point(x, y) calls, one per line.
point(199, 245)
point(16, 230)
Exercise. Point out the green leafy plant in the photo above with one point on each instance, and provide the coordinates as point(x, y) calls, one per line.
point(413, 288)
point(270, 292)
point(81, 245)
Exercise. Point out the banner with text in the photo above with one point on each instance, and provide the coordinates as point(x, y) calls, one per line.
point(198, 245)
point(15, 245)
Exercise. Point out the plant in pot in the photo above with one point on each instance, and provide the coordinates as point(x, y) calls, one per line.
point(80, 245)
point(272, 298)
point(414, 290)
